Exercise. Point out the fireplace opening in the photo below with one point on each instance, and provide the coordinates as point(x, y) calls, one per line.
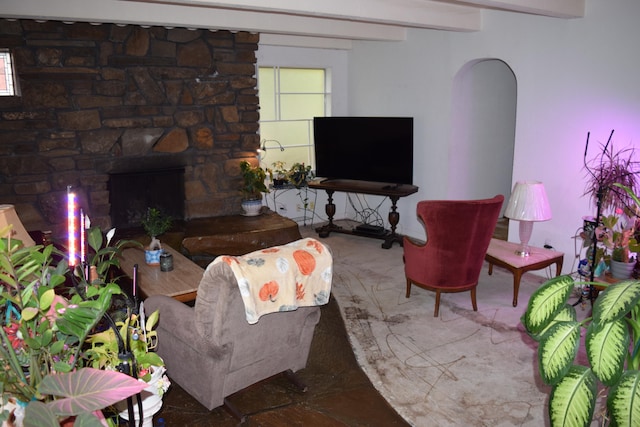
point(131, 194)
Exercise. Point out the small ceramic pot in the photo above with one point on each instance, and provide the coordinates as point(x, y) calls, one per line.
point(152, 257)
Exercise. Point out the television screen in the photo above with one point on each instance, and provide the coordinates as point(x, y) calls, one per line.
point(378, 149)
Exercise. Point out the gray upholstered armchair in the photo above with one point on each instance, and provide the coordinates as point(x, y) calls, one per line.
point(211, 350)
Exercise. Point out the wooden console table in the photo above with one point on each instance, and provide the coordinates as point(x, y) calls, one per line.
point(394, 192)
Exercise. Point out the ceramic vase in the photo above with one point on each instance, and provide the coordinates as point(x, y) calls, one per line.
point(621, 270)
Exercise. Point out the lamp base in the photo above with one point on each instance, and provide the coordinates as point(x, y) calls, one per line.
point(525, 229)
point(523, 251)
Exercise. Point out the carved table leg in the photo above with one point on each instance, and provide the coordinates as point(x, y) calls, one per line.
point(394, 218)
point(330, 209)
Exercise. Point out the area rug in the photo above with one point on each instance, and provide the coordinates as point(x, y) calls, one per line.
point(460, 368)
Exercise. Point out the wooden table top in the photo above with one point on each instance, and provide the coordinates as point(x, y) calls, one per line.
point(181, 283)
point(505, 252)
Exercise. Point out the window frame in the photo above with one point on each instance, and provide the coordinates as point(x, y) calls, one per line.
point(8, 74)
point(269, 143)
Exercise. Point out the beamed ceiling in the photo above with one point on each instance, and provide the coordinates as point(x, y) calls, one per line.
point(322, 23)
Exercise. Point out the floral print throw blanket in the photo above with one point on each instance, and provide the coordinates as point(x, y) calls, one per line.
point(282, 278)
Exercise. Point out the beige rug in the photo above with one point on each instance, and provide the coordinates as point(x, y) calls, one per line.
point(462, 368)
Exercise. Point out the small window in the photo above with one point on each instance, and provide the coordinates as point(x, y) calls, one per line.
point(8, 86)
point(289, 100)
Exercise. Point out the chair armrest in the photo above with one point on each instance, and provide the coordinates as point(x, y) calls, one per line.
point(177, 322)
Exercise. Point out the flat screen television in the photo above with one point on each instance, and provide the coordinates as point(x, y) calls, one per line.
point(378, 149)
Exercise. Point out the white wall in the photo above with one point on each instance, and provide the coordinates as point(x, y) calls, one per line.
point(573, 77)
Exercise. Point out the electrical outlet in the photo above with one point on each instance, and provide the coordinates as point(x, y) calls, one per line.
point(298, 207)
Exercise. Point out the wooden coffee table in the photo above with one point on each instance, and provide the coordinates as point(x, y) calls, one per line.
point(181, 283)
point(502, 253)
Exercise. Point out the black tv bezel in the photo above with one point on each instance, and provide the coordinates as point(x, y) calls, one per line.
point(366, 158)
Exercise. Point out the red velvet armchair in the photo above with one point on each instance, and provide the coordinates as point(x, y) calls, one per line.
point(458, 235)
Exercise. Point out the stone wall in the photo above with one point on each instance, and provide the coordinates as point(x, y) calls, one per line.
point(97, 99)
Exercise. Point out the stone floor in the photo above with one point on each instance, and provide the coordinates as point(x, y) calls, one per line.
point(339, 393)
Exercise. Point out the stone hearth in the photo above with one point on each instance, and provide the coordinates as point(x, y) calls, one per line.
point(103, 99)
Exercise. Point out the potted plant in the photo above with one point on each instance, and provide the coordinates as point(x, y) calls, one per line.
point(252, 188)
point(278, 173)
point(45, 323)
point(620, 244)
point(611, 378)
point(605, 170)
point(299, 174)
point(155, 223)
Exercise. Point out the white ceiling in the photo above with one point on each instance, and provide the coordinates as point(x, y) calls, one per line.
point(312, 22)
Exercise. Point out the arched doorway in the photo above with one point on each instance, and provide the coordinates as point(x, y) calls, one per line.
point(483, 130)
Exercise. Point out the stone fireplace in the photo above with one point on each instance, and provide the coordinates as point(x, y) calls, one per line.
point(104, 100)
point(131, 194)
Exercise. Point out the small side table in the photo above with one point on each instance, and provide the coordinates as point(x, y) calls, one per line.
point(503, 254)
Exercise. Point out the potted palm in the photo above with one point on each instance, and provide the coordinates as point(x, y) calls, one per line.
point(155, 223)
point(252, 188)
point(611, 378)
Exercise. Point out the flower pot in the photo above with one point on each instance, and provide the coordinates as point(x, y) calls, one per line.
point(251, 207)
point(621, 270)
point(151, 398)
point(151, 404)
point(152, 257)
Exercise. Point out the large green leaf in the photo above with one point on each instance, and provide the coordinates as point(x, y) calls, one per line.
point(616, 301)
point(546, 302)
point(607, 348)
point(88, 390)
point(557, 350)
point(573, 399)
point(623, 401)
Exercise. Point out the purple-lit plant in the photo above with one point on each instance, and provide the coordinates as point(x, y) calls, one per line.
point(608, 168)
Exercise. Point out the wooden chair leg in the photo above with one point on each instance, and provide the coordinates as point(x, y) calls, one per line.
point(437, 309)
point(473, 299)
point(408, 287)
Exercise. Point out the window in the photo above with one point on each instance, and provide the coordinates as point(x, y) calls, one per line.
point(8, 86)
point(289, 100)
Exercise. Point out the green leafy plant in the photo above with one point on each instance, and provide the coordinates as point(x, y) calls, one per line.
point(299, 174)
point(618, 240)
point(48, 312)
point(612, 344)
point(155, 223)
point(252, 181)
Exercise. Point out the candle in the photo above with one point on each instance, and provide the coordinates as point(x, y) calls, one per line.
point(71, 227)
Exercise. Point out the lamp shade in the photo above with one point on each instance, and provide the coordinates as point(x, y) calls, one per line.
point(8, 216)
point(528, 202)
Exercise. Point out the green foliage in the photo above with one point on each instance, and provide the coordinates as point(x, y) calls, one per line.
point(252, 181)
point(48, 311)
point(612, 343)
point(156, 222)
